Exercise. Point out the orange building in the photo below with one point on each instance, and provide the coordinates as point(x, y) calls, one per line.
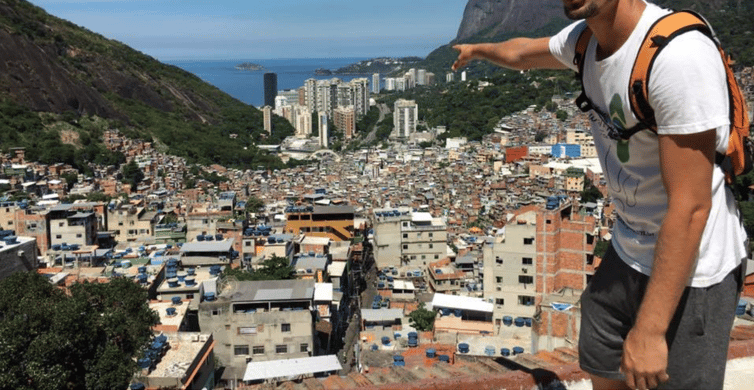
point(333, 222)
point(516, 153)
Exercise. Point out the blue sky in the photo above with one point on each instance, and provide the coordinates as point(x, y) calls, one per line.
point(263, 29)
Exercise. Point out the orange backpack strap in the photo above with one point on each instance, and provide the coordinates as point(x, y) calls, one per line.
point(663, 30)
point(583, 102)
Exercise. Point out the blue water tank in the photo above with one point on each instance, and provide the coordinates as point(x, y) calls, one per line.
point(508, 320)
point(209, 297)
point(413, 335)
point(431, 353)
point(489, 350)
point(458, 312)
point(176, 300)
point(443, 358)
point(505, 351)
point(527, 321)
point(519, 321)
point(170, 311)
point(385, 340)
point(741, 308)
point(463, 348)
point(517, 351)
point(142, 269)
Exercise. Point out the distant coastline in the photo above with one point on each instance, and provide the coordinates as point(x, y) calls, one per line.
point(249, 66)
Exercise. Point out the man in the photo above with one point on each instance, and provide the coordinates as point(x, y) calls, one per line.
point(658, 311)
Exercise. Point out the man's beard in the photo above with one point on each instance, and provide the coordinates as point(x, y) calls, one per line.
point(581, 13)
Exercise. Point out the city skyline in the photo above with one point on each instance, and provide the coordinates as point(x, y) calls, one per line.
point(265, 30)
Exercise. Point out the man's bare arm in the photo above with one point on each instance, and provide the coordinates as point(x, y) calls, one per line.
point(517, 53)
point(686, 162)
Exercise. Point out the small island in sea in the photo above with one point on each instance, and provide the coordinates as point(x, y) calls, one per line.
point(249, 66)
point(323, 72)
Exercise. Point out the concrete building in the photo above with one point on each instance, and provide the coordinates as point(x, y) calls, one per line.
point(267, 112)
point(207, 252)
point(376, 83)
point(405, 117)
point(72, 227)
point(403, 237)
point(260, 321)
point(187, 362)
point(509, 269)
point(17, 254)
point(345, 120)
point(333, 222)
point(131, 223)
point(323, 131)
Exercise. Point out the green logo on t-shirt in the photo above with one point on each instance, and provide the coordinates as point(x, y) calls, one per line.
point(618, 120)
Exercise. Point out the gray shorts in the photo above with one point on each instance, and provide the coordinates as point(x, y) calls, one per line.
point(697, 338)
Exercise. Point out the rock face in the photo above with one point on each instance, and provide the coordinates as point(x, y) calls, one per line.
point(491, 17)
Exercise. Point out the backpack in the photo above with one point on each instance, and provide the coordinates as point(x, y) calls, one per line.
point(738, 158)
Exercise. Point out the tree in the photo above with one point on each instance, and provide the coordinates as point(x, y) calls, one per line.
point(87, 339)
point(253, 204)
point(590, 193)
point(274, 268)
point(422, 319)
point(132, 174)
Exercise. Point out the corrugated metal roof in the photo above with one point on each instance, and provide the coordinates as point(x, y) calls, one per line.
point(208, 246)
point(291, 367)
point(381, 315)
point(272, 290)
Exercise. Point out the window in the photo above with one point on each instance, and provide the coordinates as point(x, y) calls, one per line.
point(258, 350)
point(120, 223)
point(431, 246)
point(527, 261)
point(60, 224)
point(589, 259)
point(589, 239)
point(405, 246)
point(525, 279)
point(528, 241)
point(526, 300)
point(216, 312)
point(437, 257)
point(281, 348)
point(430, 235)
point(405, 235)
point(499, 279)
point(240, 350)
point(500, 301)
point(285, 327)
point(78, 235)
point(58, 236)
point(247, 243)
point(498, 260)
point(304, 347)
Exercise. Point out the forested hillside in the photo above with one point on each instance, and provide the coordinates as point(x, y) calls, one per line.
point(62, 85)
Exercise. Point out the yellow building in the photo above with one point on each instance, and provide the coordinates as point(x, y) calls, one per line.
point(333, 222)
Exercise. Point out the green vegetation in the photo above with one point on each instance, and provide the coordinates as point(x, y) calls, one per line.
point(590, 192)
point(136, 94)
point(422, 319)
point(600, 248)
point(274, 268)
point(132, 174)
point(471, 110)
point(86, 340)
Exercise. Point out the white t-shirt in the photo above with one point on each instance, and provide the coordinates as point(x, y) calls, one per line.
point(688, 91)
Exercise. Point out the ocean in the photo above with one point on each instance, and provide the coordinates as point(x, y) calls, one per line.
point(248, 86)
